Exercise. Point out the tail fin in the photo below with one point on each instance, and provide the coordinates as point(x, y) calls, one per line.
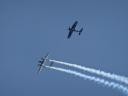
point(80, 31)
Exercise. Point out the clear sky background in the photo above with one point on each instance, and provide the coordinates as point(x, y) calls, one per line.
point(31, 28)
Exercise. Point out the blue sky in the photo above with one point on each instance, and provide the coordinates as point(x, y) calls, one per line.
point(31, 28)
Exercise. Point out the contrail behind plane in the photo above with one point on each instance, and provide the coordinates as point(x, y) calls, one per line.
point(92, 78)
point(94, 71)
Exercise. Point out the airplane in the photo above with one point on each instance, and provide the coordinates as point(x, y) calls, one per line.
point(42, 62)
point(72, 29)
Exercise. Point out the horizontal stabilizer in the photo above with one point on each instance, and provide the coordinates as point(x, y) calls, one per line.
point(80, 31)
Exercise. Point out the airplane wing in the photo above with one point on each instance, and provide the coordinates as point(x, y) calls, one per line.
point(46, 56)
point(39, 69)
point(70, 33)
point(74, 25)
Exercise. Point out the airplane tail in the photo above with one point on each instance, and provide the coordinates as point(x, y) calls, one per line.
point(80, 31)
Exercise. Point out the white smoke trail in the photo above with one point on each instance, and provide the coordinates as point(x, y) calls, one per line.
point(92, 78)
point(94, 71)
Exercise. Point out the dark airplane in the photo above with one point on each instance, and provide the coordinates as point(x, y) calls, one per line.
point(72, 29)
point(43, 61)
